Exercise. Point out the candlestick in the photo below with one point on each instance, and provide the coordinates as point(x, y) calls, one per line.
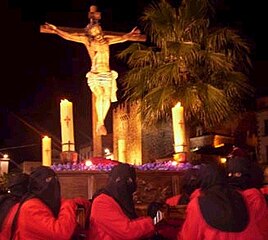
point(67, 128)
point(46, 151)
point(178, 128)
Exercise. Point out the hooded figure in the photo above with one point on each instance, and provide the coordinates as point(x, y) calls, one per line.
point(42, 214)
point(221, 206)
point(219, 211)
point(44, 185)
point(248, 176)
point(190, 181)
point(113, 213)
point(243, 173)
point(17, 186)
point(121, 186)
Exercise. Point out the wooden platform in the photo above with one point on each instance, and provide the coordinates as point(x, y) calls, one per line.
point(152, 185)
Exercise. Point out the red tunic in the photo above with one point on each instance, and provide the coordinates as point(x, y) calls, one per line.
point(195, 226)
point(108, 222)
point(263, 224)
point(36, 221)
point(171, 227)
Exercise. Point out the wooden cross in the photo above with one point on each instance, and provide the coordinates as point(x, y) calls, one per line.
point(93, 15)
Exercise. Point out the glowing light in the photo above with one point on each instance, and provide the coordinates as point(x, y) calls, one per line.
point(219, 145)
point(174, 163)
point(67, 127)
point(88, 163)
point(223, 160)
point(178, 128)
point(46, 151)
point(122, 148)
point(5, 157)
point(107, 151)
point(179, 157)
point(4, 163)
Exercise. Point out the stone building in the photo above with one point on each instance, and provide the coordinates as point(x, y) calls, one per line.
point(133, 143)
point(137, 144)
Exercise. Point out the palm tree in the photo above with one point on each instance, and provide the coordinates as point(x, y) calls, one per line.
point(187, 59)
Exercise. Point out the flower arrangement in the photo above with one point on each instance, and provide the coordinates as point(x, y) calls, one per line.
point(108, 165)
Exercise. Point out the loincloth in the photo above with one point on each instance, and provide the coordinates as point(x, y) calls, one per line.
point(103, 79)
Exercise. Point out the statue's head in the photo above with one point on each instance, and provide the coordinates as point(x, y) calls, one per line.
point(95, 32)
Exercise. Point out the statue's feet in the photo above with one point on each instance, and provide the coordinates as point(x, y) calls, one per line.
point(101, 130)
point(114, 98)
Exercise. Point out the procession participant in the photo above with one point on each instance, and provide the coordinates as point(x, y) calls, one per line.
point(113, 214)
point(17, 186)
point(221, 212)
point(42, 213)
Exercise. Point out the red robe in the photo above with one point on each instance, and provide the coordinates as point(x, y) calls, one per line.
point(195, 226)
point(171, 227)
point(263, 224)
point(37, 222)
point(109, 222)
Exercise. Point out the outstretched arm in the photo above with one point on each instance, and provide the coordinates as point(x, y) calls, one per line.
point(75, 37)
point(134, 35)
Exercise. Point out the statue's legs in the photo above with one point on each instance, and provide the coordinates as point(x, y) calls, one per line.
point(104, 87)
point(114, 86)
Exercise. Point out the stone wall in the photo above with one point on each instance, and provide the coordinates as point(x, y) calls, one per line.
point(142, 143)
point(127, 132)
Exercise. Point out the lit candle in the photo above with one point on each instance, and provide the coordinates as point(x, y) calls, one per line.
point(4, 162)
point(67, 127)
point(178, 128)
point(122, 150)
point(46, 151)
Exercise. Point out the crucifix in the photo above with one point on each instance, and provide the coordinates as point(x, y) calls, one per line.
point(100, 79)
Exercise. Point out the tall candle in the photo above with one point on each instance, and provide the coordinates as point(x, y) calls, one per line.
point(122, 150)
point(178, 128)
point(46, 151)
point(67, 127)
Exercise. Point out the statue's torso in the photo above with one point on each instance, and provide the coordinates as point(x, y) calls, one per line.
point(99, 54)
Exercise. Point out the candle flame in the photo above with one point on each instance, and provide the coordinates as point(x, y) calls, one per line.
point(178, 104)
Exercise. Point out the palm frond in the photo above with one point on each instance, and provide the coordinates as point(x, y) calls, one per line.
point(189, 61)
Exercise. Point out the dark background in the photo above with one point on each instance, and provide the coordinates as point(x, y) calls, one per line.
point(38, 70)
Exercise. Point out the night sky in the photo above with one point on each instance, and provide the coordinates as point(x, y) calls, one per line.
point(41, 69)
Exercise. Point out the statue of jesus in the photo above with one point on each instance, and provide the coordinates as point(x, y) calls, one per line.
point(101, 79)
